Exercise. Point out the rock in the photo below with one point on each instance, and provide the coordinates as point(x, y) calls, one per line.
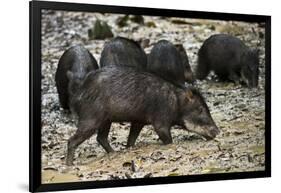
point(173, 174)
point(101, 30)
point(149, 175)
point(122, 21)
point(150, 24)
point(137, 19)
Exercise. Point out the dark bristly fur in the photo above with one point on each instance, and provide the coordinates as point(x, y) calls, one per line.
point(78, 61)
point(229, 58)
point(165, 61)
point(116, 94)
point(188, 75)
point(122, 51)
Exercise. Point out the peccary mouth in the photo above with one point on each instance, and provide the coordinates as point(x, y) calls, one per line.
point(207, 131)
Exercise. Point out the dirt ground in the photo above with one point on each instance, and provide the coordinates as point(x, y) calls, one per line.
point(238, 111)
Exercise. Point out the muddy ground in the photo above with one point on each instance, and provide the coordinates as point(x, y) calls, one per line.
point(237, 110)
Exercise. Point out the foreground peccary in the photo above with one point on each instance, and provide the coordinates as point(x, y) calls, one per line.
point(188, 75)
point(117, 94)
point(165, 61)
point(77, 60)
point(122, 51)
point(229, 58)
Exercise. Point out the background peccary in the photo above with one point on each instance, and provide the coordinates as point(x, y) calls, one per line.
point(188, 75)
point(165, 61)
point(117, 94)
point(229, 58)
point(121, 51)
point(77, 60)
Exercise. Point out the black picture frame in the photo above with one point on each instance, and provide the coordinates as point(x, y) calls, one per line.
point(35, 8)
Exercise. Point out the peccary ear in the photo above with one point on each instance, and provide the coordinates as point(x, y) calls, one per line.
point(69, 75)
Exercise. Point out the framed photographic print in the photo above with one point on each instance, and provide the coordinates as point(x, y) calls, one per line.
point(126, 96)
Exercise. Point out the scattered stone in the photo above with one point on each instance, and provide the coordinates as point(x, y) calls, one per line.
point(101, 30)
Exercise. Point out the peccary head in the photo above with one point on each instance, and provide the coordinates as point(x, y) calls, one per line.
point(188, 75)
point(195, 114)
point(250, 68)
point(75, 82)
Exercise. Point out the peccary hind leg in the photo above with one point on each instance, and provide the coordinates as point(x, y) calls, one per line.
point(85, 130)
point(134, 133)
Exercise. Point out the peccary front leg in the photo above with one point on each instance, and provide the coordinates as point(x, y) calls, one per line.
point(85, 130)
point(103, 135)
point(134, 133)
point(233, 76)
point(164, 134)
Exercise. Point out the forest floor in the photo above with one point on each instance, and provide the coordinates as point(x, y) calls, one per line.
point(238, 111)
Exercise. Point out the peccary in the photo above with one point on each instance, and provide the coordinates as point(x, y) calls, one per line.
point(117, 94)
point(229, 58)
point(77, 60)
